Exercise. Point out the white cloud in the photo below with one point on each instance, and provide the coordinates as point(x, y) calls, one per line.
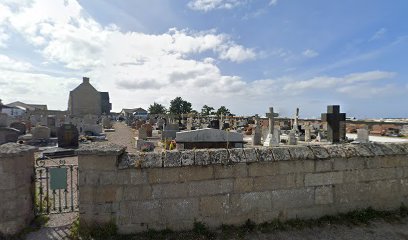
point(4, 37)
point(310, 53)
point(379, 34)
point(273, 2)
point(126, 63)
point(345, 82)
point(35, 88)
point(138, 68)
point(207, 5)
point(13, 64)
point(237, 53)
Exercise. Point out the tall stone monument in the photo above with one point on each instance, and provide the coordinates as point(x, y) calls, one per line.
point(296, 121)
point(335, 121)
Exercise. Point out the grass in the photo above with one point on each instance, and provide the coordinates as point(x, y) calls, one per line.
point(201, 232)
point(95, 231)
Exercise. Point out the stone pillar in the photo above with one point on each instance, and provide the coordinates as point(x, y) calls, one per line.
point(308, 133)
point(99, 192)
point(16, 187)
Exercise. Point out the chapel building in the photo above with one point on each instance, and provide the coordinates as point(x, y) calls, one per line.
point(85, 99)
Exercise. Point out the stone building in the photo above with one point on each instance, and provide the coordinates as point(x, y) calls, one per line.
point(85, 99)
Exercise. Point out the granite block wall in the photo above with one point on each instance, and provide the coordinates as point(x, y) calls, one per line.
point(16, 173)
point(172, 189)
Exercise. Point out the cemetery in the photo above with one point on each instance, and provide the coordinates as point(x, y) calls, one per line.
point(167, 170)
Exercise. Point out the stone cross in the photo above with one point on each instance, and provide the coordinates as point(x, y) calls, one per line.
point(273, 136)
point(334, 120)
point(271, 115)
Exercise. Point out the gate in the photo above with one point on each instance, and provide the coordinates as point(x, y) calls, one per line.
point(56, 186)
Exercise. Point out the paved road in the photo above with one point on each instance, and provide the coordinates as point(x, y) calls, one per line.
point(123, 135)
point(57, 228)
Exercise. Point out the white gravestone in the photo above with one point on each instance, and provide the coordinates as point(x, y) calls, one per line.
point(362, 135)
point(271, 140)
point(257, 138)
point(292, 138)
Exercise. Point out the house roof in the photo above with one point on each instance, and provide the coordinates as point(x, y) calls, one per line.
point(26, 106)
point(132, 110)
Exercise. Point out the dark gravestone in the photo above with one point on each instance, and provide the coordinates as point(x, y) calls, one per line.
point(68, 136)
point(19, 126)
point(51, 123)
point(335, 120)
point(8, 135)
point(215, 124)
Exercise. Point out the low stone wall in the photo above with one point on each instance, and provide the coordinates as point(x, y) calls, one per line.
point(175, 188)
point(16, 173)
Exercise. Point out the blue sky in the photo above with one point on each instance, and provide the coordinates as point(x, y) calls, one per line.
point(244, 54)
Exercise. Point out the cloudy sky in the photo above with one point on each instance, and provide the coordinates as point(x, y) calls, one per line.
point(244, 54)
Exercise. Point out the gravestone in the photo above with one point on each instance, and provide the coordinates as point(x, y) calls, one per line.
point(41, 132)
point(3, 119)
point(68, 136)
point(215, 124)
point(160, 123)
point(276, 137)
point(142, 133)
point(7, 134)
point(319, 137)
point(335, 122)
point(106, 122)
point(51, 123)
point(20, 126)
point(308, 133)
point(270, 139)
point(209, 138)
point(257, 138)
point(189, 123)
point(404, 130)
point(292, 138)
point(138, 123)
point(169, 131)
point(362, 135)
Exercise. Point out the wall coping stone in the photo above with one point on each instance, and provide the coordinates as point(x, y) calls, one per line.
point(12, 149)
point(100, 148)
point(204, 157)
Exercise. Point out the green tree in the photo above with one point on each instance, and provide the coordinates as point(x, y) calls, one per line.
point(179, 106)
point(223, 110)
point(157, 108)
point(206, 110)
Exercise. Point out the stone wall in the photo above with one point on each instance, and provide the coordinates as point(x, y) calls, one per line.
point(175, 188)
point(16, 173)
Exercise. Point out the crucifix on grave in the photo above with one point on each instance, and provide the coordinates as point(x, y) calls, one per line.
point(271, 139)
point(335, 122)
